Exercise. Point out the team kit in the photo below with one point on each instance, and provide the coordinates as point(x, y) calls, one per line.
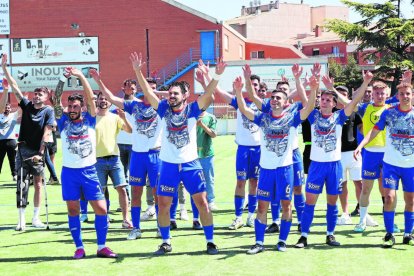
point(362, 136)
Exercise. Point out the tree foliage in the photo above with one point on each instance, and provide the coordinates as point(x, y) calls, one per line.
point(349, 75)
point(384, 29)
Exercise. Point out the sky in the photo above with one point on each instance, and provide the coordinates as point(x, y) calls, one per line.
point(227, 9)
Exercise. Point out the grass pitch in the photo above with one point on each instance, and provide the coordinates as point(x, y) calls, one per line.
point(36, 251)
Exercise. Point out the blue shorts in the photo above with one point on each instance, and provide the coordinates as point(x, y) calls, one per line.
point(85, 180)
point(393, 174)
point(371, 164)
point(298, 173)
point(321, 172)
point(247, 162)
point(275, 185)
point(190, 173)
point(110, 166)
point(144, 164)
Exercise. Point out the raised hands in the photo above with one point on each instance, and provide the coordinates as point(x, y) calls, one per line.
point(328, 82)
point(220, 66)
point(238, 85)
point(205, 69)
point(4, 60)
point(136, 61)
point(297, 71)
point(94, 74)
point(121, 113)
point(316, 70)
point(200, 77)
point(72, 71)
point(367, 76)
point(314, 82)
point(247, 72)
point(6, 85)
point(407, 77)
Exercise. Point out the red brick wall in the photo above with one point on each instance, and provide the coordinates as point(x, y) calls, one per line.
point(270, 51)
point(120, 26)
point(326, 49)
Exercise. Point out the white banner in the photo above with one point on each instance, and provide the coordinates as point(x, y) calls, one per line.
point(268, 73)
point(52, 50)
point(30, 77)
point(4, 17)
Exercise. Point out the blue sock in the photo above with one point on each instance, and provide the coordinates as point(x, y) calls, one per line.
point(331, 217)
point(108, 203)
point(284, 229)
point(299, 202)
point(101, 227)
point(409, 222)
point(389, 221)
point(252, 203)
point(136, 216)
point(75, 230)
point(275, 208)
point(84, 207)
point(156, 209)
point(173, 208)
point(209, 232)
point(238, 205)
point(196, 214)
point(259, 230)
point(307, 217)
point(165, 232)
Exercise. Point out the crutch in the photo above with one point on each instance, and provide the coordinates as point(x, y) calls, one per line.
point(22, 182)
point(46, 204)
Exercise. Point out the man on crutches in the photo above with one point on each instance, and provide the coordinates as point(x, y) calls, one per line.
point(36, 125)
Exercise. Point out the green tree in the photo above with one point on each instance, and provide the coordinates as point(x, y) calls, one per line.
point(383, 28)
point(349, 75)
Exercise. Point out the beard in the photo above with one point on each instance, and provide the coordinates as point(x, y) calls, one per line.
point(74, 115)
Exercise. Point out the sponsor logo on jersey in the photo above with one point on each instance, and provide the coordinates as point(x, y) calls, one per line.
point(391, 182)
point(241, 173)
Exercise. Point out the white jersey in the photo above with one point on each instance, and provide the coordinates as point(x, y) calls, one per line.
point(179, 133)
point(277, 138)
point(292, 108)
point(326, 135)
point(399, 143)
point(146, 126)
point(78, 141)
point(7, 126)
point(247, 133)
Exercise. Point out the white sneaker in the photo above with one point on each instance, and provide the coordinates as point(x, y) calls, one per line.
point(83, 218)
point(371, 222)
point(345, 219)
point(183, 214)
point(134, 234)
point(148, 214)
point(236, 224)
point(213, 207)
point(15, 178)
point(37, 223)
point(250, 221)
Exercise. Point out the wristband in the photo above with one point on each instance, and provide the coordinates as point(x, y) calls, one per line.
point(216, 76)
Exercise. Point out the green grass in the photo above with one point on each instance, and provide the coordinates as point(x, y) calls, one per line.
point(35, 251)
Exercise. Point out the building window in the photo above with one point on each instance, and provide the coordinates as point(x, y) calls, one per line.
point(257, 54)
point(335, 51)
point(241, 51)
point(226, 42)
point(315, 52)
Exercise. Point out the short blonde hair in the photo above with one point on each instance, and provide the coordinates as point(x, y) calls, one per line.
point(381, 85)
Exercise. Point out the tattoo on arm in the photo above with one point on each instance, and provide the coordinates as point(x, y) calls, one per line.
point(57, 100)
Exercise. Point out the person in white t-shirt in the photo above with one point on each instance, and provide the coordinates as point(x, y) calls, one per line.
point(8, 133)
